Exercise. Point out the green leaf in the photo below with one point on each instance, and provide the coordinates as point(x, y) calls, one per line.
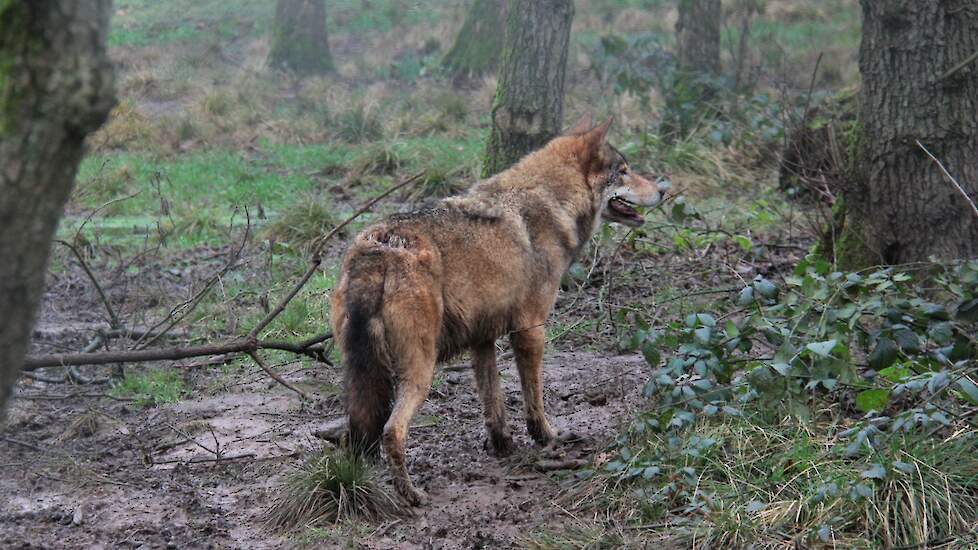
point(875, 471)
point(872, 400)
point(941, 333)
point(970, 390)
point(765, 288)
point(904, 467)
point(968, 311)
point(746, 297)
point(907, 340)
point(743, 242)
point(731, 329)
point(650, 350)
point(884, 355)
point(707, 320)
point(702, 335)
point(896, 373)
point(822, 349)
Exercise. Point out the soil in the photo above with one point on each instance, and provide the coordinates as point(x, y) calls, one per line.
point(133, 483)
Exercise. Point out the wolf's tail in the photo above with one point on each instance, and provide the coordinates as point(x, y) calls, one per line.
point(369, 378)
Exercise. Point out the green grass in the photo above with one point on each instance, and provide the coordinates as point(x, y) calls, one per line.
point(142, 23)
point(156, 387)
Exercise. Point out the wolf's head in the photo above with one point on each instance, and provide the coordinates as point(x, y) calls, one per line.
point(607, 172)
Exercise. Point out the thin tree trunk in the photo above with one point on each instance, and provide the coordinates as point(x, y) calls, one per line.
point(698, 62)
point(478, 44)
point(56, 87)
point(698, 35)
point(299, 40)
point(529, 105)
point(901, 207)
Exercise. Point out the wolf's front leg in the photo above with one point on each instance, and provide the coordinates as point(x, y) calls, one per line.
point(493, 406)
point(528, 348)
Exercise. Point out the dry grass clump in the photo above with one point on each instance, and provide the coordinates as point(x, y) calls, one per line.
point(331, 486)
point(127, 128)
point(303, 222)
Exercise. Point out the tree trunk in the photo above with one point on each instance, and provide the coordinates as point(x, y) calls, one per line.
point(698, 63)
point(477, 46)
point(698, 36)
point(900, 207)
point(299, 42)
point(56, 87)
point(529, 104)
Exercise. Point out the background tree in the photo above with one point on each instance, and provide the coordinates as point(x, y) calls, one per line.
point(299, 41)
point(697, 64)
point(920, 82)
point(56, 87)
point(478, 44)
point(529, 105)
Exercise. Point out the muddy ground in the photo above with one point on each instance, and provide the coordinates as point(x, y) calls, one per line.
point(134, 482)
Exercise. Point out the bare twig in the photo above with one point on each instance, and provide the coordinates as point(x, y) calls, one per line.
point(967, 61)
point(276, 377)
point(113, 318)
point(811, 87)
point(950, 177)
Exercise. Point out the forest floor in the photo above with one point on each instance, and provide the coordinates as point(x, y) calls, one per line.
point(130, 481)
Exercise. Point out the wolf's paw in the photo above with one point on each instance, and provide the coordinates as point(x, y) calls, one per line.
point(540, 431)
point(410, 493)
point(499, 445)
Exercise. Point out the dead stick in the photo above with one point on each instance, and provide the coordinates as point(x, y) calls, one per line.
point(276, 377)
point(113, 318)
point(246, 345)
point(317, 257)
point(950, 177)
point(959, 66)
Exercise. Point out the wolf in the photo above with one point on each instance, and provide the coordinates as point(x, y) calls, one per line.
point(421, 288)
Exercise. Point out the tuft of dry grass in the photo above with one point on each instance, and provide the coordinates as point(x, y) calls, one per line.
point(83, 425)
point(303, 222)
point(332, 486)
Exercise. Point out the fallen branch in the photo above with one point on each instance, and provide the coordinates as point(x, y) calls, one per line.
point(244, 345)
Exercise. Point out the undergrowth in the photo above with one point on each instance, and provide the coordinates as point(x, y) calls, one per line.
point(826, 408)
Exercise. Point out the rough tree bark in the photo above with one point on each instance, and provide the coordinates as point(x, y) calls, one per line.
point(299, 41)
point(698, 60)
point(56, 87)
point(918, 84)
point(529, 104)
point(478, 44)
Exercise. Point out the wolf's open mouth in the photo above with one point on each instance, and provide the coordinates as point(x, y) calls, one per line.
point(625, 210)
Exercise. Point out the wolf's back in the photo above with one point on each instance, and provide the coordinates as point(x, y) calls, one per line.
point(368, 376)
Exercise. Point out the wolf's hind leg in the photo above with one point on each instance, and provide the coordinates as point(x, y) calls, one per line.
point(528, 347)
point(493, 406)
point(412, 321)
point(410, 395)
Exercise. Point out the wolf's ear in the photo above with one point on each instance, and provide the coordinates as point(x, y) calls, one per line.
point(583, 124)
point(594, 138)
